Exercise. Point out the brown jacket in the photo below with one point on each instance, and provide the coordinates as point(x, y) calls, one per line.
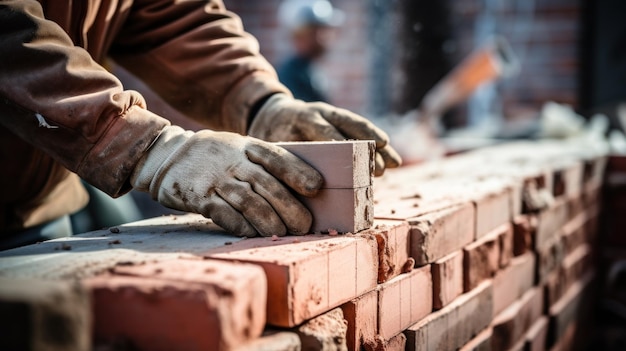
point(62, 113)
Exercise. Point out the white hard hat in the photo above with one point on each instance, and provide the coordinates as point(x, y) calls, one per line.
point(298, 13)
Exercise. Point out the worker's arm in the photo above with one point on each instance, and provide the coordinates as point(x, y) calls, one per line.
point(198, 57)
point(56, 97)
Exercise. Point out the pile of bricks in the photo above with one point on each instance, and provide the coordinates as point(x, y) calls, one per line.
point(488, 250)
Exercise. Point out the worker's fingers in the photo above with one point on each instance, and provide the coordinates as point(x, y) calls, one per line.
point(351, 124)
point(390, 156)
point(224, 215)
point(256, 210)
point(295, 216)
point(285, 166)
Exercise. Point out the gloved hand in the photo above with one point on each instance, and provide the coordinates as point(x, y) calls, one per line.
point(282, 118)
point(233, 179)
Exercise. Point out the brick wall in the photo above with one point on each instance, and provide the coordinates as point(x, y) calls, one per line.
point(500, 256)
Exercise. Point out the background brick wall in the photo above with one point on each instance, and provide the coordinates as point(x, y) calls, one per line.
point(543, 33)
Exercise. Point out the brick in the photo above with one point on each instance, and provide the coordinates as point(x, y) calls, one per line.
point(510, 283)
point(343, 164)
point(549, 259)
point(568, 179)
point(447, 275)
point(403, 301)
point(550, 222)
point(438, 234)
point(510, 325)
point(535, 339)
point(361, 314)
point(493, 211)
point(576, 265)
point(308, 275)
point(455, 324)
point(481, 260)
point(393, 238)
point(574, 232)
point(576, 305)
point(273, 341)
point(481, 342)
point(324, 332)
point(567, 341)
point(506, 245)
point(183, 304)
point(346, 202)
point(344, 210)
point(594, 169)
point(44, 315)
point(524, 227)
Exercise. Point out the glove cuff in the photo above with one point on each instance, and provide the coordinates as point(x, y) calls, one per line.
point(260, 124)
point(145, 176)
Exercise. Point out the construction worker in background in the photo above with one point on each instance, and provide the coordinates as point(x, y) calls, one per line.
point(63, 116)
point(310, 24)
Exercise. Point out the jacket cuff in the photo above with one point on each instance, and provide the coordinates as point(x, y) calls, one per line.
point(239, 102)
point(110, 163)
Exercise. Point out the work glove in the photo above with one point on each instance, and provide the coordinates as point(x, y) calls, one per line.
point(282, 118)
point(240, 182)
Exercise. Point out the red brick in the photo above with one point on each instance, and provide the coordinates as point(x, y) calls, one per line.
point(44, 315)
point(567, 340)
point(343, 164)
point(506, 245)
point(524, 227)
point(550, 222)
point(481, 260)
point(438, 234)
point(594, 170)
point(549, 259)
point(568, 179)
point(576, 265)
point(447, 275)
point(361, 314)
point(493, 211)
point(481, 342)
point(403, 301)
point(183, 305)
point(573, 233)
point(510, 325)
point(510, 283)
point(455, 324)
point(308, 275)
point(393, 238)
point(535, 338)
point(574, 307)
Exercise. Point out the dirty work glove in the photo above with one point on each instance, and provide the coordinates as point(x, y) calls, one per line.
point(239, 182)
point(282, 118)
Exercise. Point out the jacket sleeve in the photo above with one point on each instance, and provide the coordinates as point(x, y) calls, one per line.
point(53, 95)
point(197, 56)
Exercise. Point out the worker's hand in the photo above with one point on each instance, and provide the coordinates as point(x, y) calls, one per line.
point(239, 182)
point(282, 118)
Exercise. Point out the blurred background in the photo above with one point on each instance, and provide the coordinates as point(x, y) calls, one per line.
point(387, 54)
